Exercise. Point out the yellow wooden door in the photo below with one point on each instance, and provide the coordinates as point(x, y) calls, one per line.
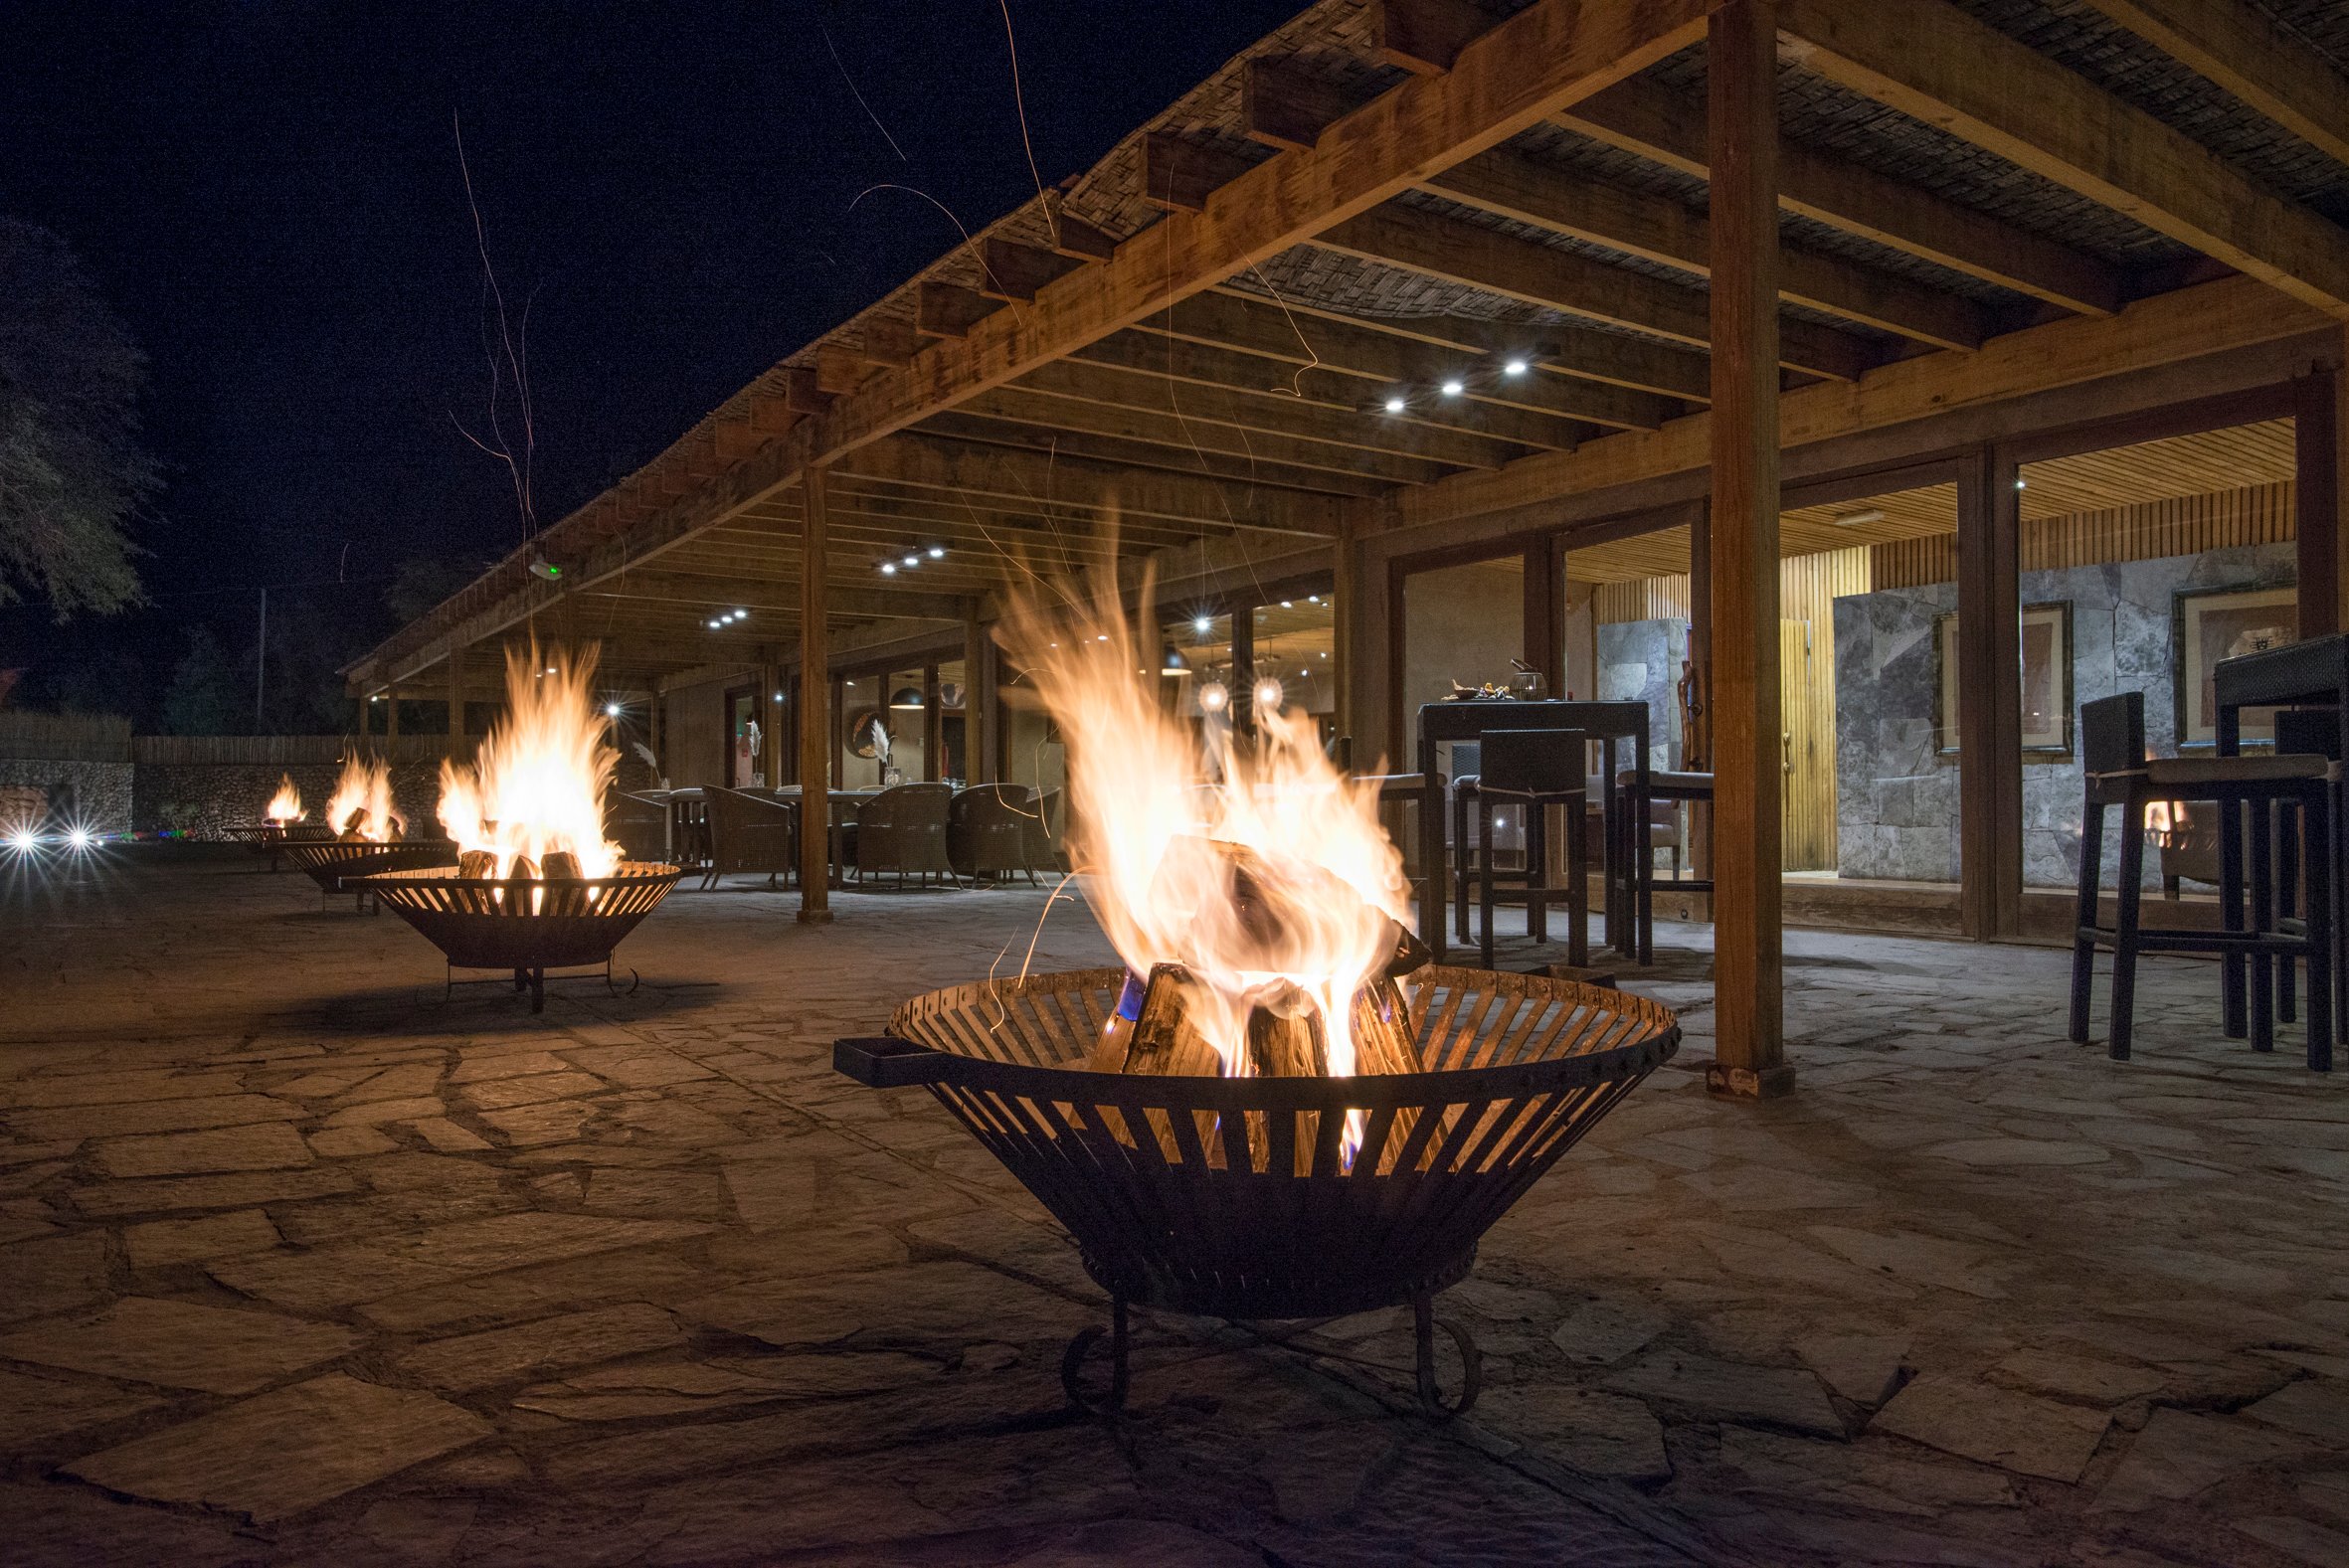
point(1806, 698)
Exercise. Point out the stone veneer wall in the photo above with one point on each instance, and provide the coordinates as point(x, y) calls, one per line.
point(202, 799)
point(1639, 661)
point(1897, 795)
point(97, 795)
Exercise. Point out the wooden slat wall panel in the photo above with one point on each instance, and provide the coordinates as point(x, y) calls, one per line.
point(1641, 599)
point(1809, 586)
point(2179, 526)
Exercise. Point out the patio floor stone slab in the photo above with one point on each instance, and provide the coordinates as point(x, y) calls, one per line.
point(278, 1453)
point(182, 1344)
point(2018, 1432)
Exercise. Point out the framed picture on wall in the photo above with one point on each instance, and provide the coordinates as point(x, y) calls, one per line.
point(2045, 637)
point(2219, 625)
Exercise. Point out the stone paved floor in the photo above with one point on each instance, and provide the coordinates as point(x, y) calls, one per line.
point(300, 1263)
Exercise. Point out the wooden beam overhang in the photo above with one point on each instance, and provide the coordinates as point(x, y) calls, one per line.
point(975, 426)
point(711, 595)
point(1234, 321)
point(1935, 62)
point(1522, 71)
point(1190, 432)
point(1511, 185)
point(2163, 329)
point(1434, 245)
point(2239, 47)
point(1201, 365)
point(1655, 122)
point(1267, 413)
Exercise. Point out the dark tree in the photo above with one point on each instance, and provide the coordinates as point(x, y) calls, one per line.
point(421, 583)
point(209, 694)
point(71, 468)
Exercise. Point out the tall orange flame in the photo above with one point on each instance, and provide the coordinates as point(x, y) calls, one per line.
point(363, 795)
point(537, 783)
point(285, 804)
point(1149, 803)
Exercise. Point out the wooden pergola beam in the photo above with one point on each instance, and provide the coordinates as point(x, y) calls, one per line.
point(707, 594)
point(1234, 321)
point(1263, 414)
point(1485, 258)
point(1045, 482)
point(1665, 126)
point(967, 424)
point(1935, 62)
point(2241, 48)
point(1511, 185)
point(1190, 434)
point(1202, 365)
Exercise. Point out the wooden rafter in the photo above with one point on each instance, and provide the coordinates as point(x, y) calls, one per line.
point(2239, 47)
point(1511, 185)
point(1235, 321)
point(1931, 61)
point(1663, 127)
point(1168, 429)
point(965, 423)
point(1434, 245)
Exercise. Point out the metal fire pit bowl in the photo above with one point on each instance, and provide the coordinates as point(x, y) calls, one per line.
point(335, 864)
point(1233, 1197)
point(267, 838)
point(530, 925)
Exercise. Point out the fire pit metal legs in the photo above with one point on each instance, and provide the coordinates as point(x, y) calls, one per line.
point(1072, 1361)
point(1275, 1199)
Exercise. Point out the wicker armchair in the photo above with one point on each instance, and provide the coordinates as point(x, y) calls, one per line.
point(751, 833)
point(1042, 829)
point(639, 826)
point(987, 831)
point(903, 829)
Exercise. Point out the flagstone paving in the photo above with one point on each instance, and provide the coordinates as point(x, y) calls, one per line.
point(300, 1261)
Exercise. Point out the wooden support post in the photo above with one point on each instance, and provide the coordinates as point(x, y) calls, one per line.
point(768, 710)
point(1743, 139)
point(1989, 699)
point(366, 701)
point(1343, 607)
point(982, 744)
point(2318, 493)
point(456, 703)
point(814, 718)
point(391, 717)
point(1243, 666)
point(1545, 612)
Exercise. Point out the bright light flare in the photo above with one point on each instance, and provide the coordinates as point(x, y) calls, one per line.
point(538, 782)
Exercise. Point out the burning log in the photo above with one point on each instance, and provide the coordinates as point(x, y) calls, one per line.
point(561, 865)
point(524, 869)
point(477, 863)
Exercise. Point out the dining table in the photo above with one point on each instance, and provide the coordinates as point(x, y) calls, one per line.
point(2313, 673)
point(842, 807)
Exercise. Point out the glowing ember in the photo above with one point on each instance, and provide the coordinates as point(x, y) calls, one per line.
point(536, 787)
point(285, 804)
point(1302, 914)
point(362, 805)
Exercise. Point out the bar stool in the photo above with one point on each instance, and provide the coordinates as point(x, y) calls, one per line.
point(1536, 769)
point(2112, 748)
point(1681, 786)
point(2303, 732)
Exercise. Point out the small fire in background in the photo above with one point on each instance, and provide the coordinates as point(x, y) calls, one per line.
point(1257, 902)
point(531, 804)
point(361, 808)
point(285, 804)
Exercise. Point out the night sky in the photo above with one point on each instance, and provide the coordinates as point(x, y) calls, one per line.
point(269, 193)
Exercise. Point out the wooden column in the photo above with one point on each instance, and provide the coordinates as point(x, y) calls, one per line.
point(1342, 609)
point(815, 767)
point(654, 735)
point(982, 744)
point(457, 661)
point(366, 701)
point(770, 714)
point(2318, 497)
point(390, 716)
point(1743, 143)
point(1243, 665)
point(1989, 698)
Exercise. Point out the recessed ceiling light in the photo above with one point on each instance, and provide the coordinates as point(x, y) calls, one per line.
point(1860, 519)
point(1288, 603)
point(1394, 404)
point(1453, 388)
point(612, 709)
point(937, 552)
point(889, 569)
point(1203, 624)
point(1313, 599)
point(2020, 484)
point(913, 560)
point(1516, 367)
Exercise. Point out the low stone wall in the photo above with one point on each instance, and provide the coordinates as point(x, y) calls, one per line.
point(91, 794)
point(203, 800)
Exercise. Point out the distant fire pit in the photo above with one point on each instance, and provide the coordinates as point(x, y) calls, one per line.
point(528, 926)
point(1274, 1196)
point(271, 838)
point(337, 864)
